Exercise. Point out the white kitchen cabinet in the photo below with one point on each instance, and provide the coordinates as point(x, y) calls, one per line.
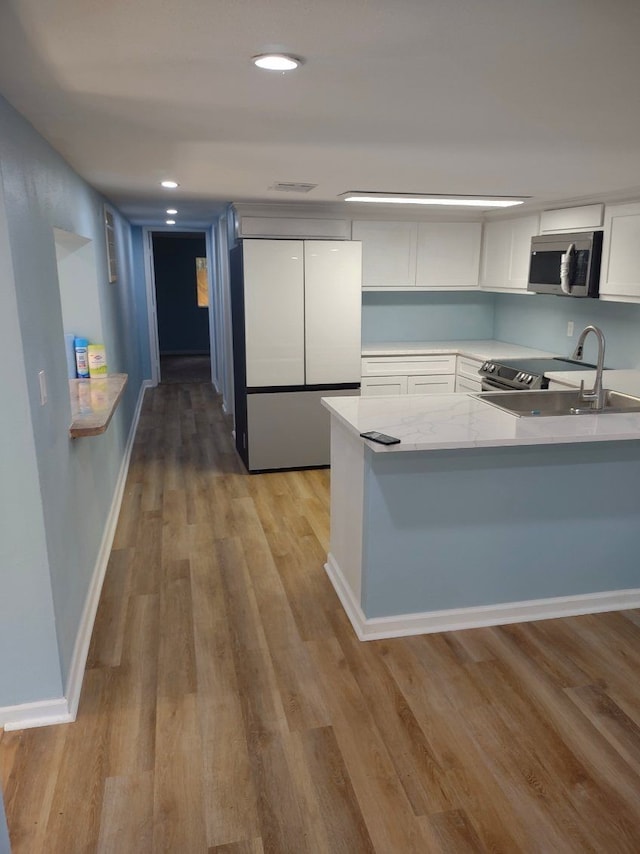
point(431, 384)
point(426, 255)
point(506, 247)
point(467, 386)
point(333, 305)
point(579, 218)
point(620, 271)
point(439, 363)
point(426, 374)
point(467, 377)
point(388, 385)
point(388, 253)
point(448, 254)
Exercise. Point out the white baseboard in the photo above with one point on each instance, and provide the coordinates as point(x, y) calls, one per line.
point(40, 713)
point(64, 709)
point(427, 622)
point(83, 638)
point(346, 596)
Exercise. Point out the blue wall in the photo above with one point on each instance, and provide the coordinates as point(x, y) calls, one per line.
point(459, 529)
point(533, 320)
point(423, 316)
point(75, 478)
point(5, 848)
point(540, 320)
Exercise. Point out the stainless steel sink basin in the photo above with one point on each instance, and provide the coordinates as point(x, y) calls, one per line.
point(544, 403)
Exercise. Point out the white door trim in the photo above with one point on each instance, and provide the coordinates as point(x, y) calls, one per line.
point(150, 285)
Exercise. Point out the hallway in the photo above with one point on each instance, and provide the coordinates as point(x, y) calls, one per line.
point(228, 707)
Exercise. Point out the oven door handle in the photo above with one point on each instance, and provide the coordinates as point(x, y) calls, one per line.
point(489, 384)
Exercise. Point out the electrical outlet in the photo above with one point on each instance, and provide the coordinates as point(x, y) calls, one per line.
point(43, 387)
point(570, 329)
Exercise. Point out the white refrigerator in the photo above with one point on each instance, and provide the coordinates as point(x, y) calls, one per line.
point(296, 308)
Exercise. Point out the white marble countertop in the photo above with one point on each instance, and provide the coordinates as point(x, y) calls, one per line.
point(626, 381)
point(487, 349)
point(449, 421)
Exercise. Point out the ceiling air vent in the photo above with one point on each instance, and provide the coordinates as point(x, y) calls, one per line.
point(293, 187)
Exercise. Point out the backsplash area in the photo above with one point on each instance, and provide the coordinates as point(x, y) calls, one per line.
point(541, 321)
point(532, 320)
point(420, 316)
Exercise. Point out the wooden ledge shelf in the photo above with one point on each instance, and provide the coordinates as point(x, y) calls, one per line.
point(93, 402)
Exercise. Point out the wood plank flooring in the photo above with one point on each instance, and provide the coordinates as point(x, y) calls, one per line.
point(228, 708)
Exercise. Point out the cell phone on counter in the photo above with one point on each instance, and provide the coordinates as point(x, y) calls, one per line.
point(381, 438)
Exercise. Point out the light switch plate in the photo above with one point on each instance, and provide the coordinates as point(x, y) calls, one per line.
point(570, 329)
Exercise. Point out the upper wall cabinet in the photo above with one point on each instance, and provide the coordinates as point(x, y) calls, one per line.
point(506, 244)
point(581, 218)
point(426, 255)
point(448, 254)
point(388, 253)
point(620, 273)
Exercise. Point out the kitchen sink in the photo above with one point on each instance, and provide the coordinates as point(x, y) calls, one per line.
point(545, 402)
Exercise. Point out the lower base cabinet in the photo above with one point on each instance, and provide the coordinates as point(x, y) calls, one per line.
point(468, 386)
point(436, 374)
point(382, 386)
point(393, 375)
point(433, 384)
point(467, 376)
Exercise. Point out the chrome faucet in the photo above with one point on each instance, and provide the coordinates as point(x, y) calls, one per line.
point(596, 394)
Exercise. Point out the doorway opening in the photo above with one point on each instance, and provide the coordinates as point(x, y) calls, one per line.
point(182, 304)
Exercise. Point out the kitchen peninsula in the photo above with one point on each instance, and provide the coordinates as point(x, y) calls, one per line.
point(479, 517)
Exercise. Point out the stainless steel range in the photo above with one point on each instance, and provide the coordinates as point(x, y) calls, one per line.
point(521, 374)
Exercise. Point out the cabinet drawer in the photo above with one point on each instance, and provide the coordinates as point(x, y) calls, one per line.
point(431, 384)
point(463, 384)
point(390, 385)
point(407, 365)
point(467, 367)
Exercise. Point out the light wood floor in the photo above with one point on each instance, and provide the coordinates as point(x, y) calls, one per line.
point(228, 707)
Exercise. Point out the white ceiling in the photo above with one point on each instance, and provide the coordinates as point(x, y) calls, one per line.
point(532, 97)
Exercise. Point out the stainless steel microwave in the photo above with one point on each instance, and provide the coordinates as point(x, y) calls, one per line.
point(566, 264)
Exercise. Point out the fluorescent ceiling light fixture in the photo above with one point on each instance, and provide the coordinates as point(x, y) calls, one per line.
point(169, 185)
point(171, 222)
point(420, 199)
point(171, 211)
point(276, 61)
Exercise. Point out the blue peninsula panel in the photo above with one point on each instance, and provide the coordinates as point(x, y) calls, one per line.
point(472, 527)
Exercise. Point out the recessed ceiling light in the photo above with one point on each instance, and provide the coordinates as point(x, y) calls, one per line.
point(169, 185)
point(171, 222)
point(276, 61)
point(419, 199)
point(171, 211)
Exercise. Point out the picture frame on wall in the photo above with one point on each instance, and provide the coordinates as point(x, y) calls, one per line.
point(110, 234)
point(202, 283)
